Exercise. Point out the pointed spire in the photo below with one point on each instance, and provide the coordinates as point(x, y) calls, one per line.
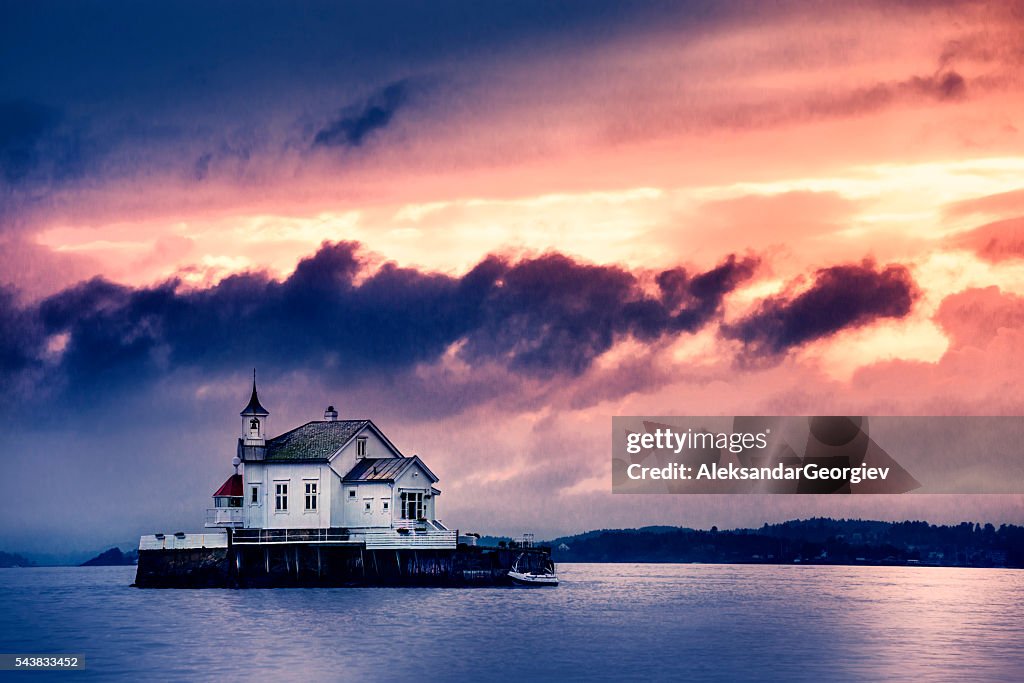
point(254, 407)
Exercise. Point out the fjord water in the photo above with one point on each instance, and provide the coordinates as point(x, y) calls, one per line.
point(606, 622)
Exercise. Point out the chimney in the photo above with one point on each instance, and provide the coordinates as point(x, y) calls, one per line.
point(330, 415)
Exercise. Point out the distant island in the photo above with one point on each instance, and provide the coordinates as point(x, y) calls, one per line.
point(811, 541)
point(113, 558)
point(14, 560)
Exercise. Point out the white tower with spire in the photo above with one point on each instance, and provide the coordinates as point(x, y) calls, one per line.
point(254, 419)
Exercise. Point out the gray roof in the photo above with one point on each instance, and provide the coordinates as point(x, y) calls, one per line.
point(378, 469)
point(384, 469)
point(313, 441)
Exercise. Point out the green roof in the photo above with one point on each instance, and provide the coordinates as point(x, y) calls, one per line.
point(313, 440)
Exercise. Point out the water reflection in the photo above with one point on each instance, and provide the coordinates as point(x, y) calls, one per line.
point(710, 622)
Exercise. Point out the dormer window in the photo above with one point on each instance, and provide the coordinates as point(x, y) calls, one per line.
point(361, 447)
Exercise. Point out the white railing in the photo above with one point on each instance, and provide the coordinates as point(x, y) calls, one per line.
point(276, 536)
point(431, 539)
point(225, 517)
point(373, 539)
point(182, 541)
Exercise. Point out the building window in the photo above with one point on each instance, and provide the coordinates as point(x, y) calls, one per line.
point(412, 505)
point(351, 493)
point(254, 495)
point(361, 447)
point(281, 497)
point(368, 505)
point(385, 505)
point(310, 496)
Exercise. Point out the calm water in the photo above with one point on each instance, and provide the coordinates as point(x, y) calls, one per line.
point(699, 622)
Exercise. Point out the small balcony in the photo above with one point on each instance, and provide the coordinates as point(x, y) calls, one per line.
point(225, 517)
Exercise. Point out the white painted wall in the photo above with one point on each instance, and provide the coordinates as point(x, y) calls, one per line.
point(295, 475)
point(256, 515)
point(351, 509)
point(337, 508)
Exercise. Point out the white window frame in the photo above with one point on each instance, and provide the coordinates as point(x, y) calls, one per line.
point(281, 496)
point(367, 506)
point(361, 447)
point(309, 495)
point(385, 505)
point(416, 499)
point(255, 489)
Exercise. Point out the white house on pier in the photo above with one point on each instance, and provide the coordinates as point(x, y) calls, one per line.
point(329, 480)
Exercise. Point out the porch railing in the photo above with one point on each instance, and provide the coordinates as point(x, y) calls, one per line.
point(182, 541)
point(371, 538)
point(225, 517)
point(267, 536)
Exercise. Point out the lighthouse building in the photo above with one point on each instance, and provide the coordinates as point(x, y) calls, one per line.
point(326, 475)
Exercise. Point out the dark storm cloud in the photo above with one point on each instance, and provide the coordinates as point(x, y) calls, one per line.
point(155, 88)
point(841, 297)
point(21, 338)
point(37, 143)
point(555, 314)
point(198, 68)
point(942, 86)
point(536, 316)
point(946, 86)
point(23, 125)
point(356, 122)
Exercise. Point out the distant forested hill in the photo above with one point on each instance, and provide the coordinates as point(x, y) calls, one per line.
point(816, 541)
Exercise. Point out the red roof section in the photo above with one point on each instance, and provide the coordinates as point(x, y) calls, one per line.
point(232, 487)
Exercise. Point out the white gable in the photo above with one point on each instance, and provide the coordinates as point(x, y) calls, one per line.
point(415, 477)
point(376, 445)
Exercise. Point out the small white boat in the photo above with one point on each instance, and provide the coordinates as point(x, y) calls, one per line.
point(545, 577)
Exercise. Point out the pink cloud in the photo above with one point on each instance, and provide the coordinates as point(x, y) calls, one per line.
point(995, 242)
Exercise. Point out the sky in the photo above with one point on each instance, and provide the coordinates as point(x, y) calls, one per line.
point(490, 228)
